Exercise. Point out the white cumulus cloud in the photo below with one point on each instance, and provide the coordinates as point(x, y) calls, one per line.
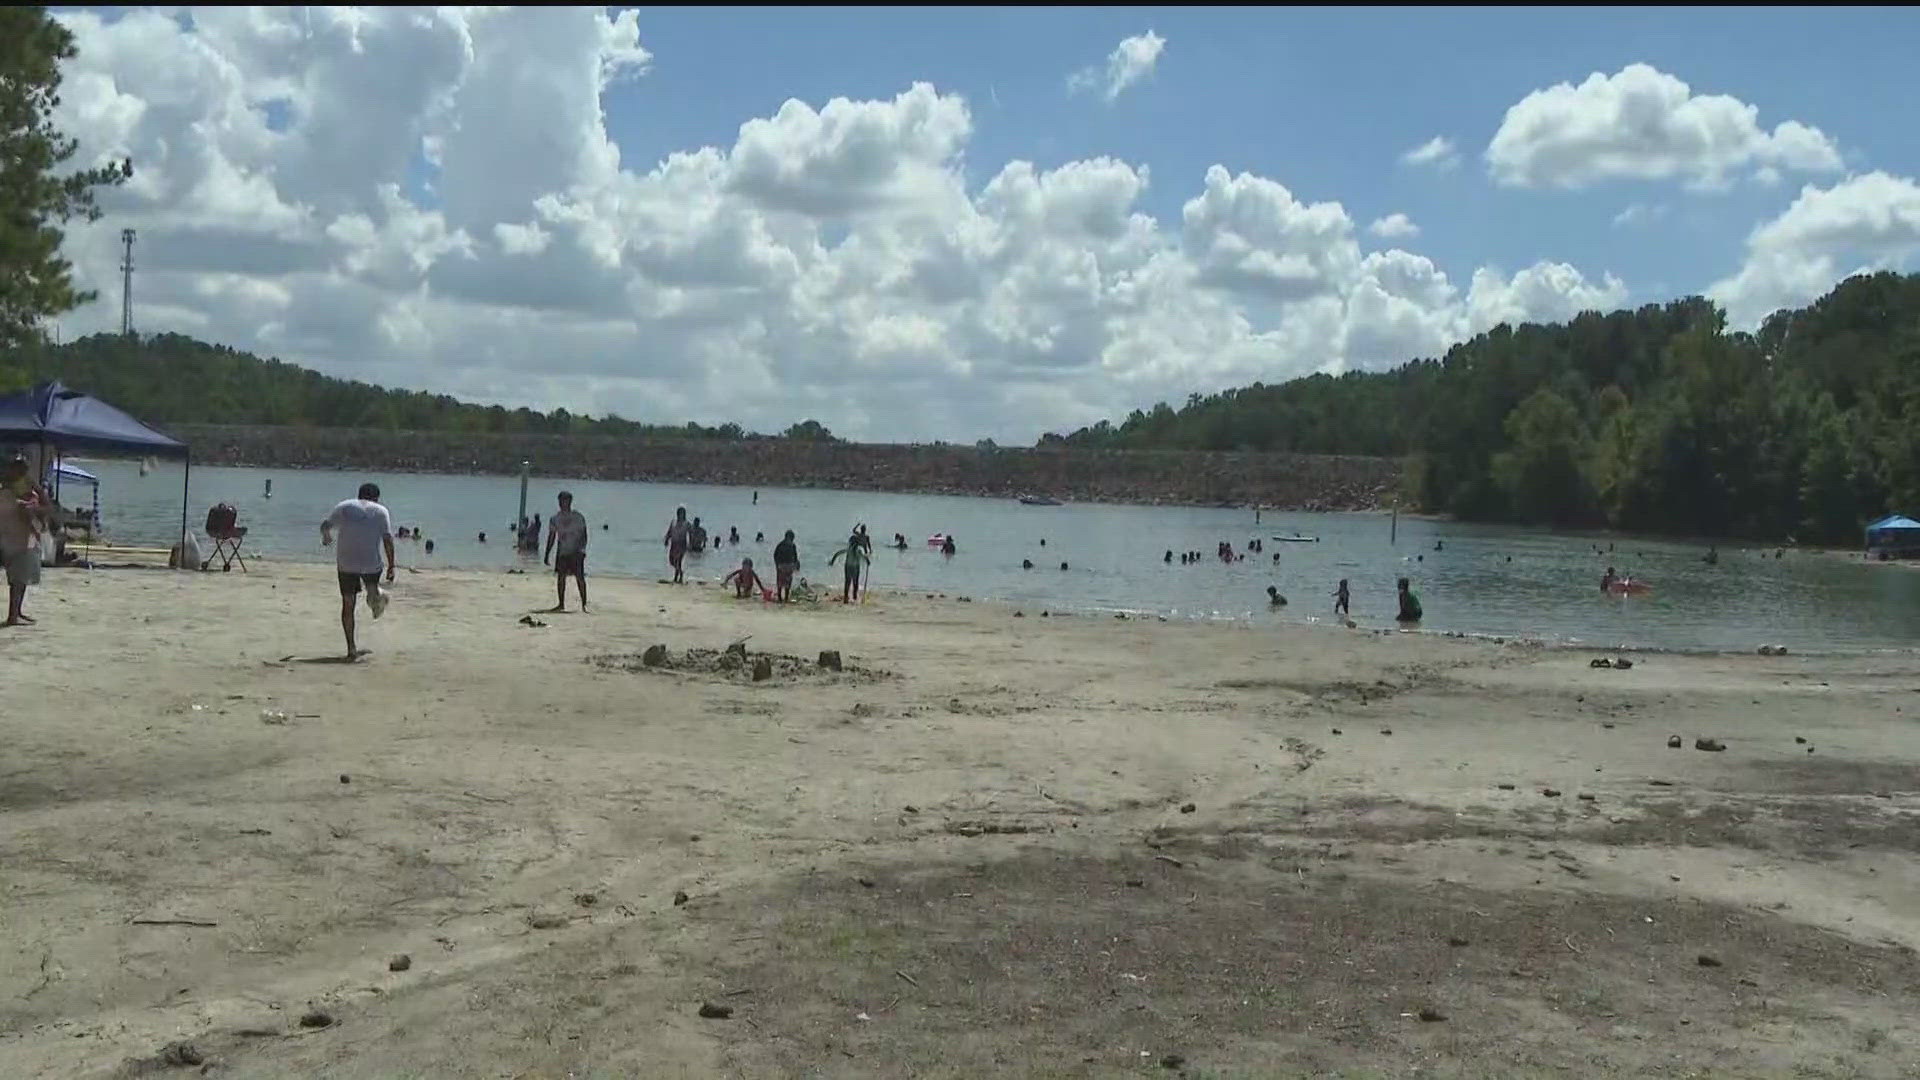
point(1131, 60)
point(431, 199)
point(1438, 152)
point(1395, 226)
point(1643, 124)
point(1863, 223)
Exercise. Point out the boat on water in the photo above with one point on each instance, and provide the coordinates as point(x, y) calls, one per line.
point(1296, 538)
point(1038, 500)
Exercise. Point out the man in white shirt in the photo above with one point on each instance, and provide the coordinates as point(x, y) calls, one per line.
point(365, 530)
point(567, 531)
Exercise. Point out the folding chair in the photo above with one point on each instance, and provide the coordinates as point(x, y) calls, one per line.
point(227, 536)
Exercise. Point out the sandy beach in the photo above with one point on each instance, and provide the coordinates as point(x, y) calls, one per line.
point(990, 846)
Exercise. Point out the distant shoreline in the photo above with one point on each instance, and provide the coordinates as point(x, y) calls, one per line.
point(1277, 481)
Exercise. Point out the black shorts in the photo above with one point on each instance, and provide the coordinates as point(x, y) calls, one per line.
point(350, 584)
point(574, 565)
point(853, 575)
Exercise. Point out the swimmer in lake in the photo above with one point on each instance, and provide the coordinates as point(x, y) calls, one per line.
point(1274, 599)
point(1410, 610)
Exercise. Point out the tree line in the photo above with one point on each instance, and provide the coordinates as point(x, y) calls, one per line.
point(1655, 420)
point(175, 379)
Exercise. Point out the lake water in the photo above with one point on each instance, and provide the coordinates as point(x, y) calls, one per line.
point(1486, 580)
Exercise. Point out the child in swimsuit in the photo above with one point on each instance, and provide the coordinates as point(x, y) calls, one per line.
point(744, 580)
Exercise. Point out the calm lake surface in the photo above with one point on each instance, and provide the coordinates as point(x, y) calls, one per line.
point(1486, 580)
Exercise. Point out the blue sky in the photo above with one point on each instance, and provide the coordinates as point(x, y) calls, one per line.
point(1324, 100)
point(908, 223)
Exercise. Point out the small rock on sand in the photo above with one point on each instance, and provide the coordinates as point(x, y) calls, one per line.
point(181, 1055)
point(345, 779)
point(655, 656)
point(1800, 739)
point(830, 659)
point(738, 648)
point(1432, 1016)
point(318, 1018)
point(1584, 797)
point(1386, 731)
point(1707, 961)
point(1673, 742)
point(679, 898)
point(1709, 744)
point(1551, 793)
point(711, 1011)
point(402, 962)
point(1458, 942)
point(1188, 808)
point(1172, 1061)
point(546, 920)
point(1336, 731)
point(762, 669)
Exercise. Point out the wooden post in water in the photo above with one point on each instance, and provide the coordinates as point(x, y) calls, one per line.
point(1393, 527)
point(518, 521)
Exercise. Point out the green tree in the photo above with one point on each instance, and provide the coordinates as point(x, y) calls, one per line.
point(36, 198)
point(1541, 471)
point(810, 431)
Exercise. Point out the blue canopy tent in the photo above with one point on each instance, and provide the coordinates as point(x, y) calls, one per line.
point(53, 415)
point(1895, 534)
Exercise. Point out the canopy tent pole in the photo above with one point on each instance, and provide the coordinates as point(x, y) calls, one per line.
point(186, 477)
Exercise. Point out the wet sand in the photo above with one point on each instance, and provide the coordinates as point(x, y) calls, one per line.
point(989, 846)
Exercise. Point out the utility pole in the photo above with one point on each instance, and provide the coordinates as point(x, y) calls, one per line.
point(126, 284)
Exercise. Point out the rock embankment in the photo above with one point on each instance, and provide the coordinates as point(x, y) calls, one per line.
point(1291, 481)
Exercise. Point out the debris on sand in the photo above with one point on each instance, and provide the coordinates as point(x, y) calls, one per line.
point(1505, 787)
point(989, 828)
point(762, 669)
point(1458, 942)
point(181, 1055)
point(830, 659)
point(345, 779)
point(712, 1011)
point(1706, 961)
point(402, 962)
point(1673, 742)
point(1188, 808)
point(1551, 793)
point(546, 920)
point(1801, 739)
point(737, 648)
point(679, 897)
point(1585, 796)
point(1709, 744)
point(1172, 1061)
point(734, 665)
point(1432, 1016)
point(317, 1019)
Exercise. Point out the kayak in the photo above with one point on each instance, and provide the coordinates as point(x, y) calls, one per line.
point(1297, 539)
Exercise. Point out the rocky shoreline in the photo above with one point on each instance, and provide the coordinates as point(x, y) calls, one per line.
point(1149, 477)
